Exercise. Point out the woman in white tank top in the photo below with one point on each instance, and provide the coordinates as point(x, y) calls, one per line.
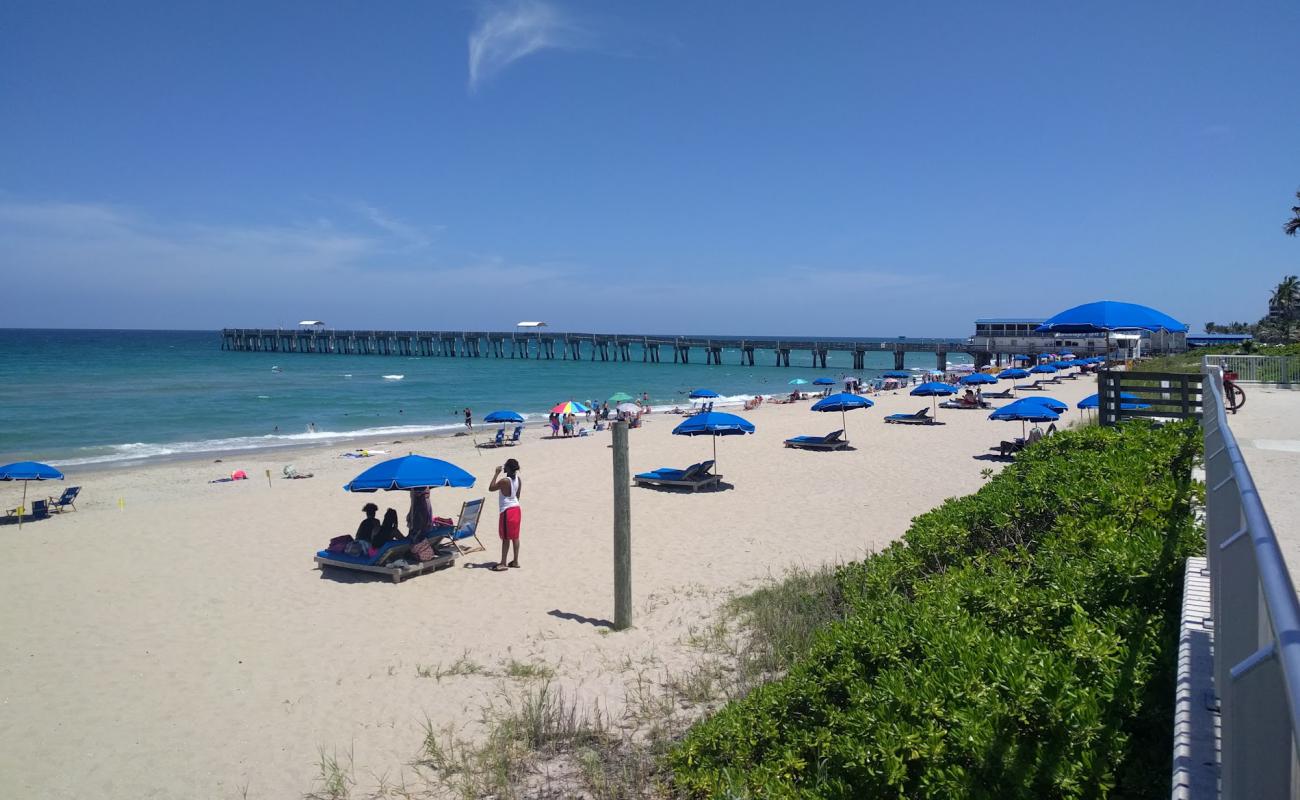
point(509, 488)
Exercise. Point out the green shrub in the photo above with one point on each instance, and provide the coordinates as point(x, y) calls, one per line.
point(1018, 642)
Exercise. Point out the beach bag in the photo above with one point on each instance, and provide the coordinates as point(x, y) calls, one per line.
point(339, 544)
point(443, 522)
point(422, 550)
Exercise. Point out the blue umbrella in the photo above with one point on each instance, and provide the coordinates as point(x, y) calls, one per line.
point(976, 378)
point(823, 382)
point(1013, 372)
point(1025, 411)
point(842, 402)
point(409, 472)
point(933, 389)
point(1108, 315)
point(1051, 403)
point(1021, 357)
point(27, 471)
point(1094, 401)
point(702, 393)
point(714, 424)
point(1043, 369)
point(504, 417)
point(897, 373)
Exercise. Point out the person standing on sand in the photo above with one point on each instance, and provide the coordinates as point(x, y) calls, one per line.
point(509, 488)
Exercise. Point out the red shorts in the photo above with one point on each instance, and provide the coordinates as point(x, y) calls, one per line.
point(508, 524)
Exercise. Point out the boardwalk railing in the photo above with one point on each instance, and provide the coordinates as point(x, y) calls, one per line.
point(1167, 395)
point(1256, 620)
point(1259, 369)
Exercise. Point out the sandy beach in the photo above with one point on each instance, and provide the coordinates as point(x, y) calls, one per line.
point(173, 638)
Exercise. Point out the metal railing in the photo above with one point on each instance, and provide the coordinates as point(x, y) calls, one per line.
point(1256, 620)
point(1259, 369)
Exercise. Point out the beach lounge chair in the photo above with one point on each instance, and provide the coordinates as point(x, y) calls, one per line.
point(514, 437)
point(499, 441)
point(65, 500)
point(390, 560)
point(1005, 394)
point(694, 477)
point(466, 527)
point(960, 404)
point(831, 441)
point(40, 509)
point(921, 417)
point(1036, 386)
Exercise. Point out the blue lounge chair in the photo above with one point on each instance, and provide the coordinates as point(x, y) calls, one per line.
point(831, 441)
point(466, 527)
point(514, 437)
point(40, 509)
point(694, 477)
point(499, 441)
point(921, 417)
point(1036, 386)
point(65, 500)
point(445, 552)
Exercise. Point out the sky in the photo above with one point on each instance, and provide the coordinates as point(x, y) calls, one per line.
point(762, 168)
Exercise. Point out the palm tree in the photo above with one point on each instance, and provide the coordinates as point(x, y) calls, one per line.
point(1292, 226)
point(1286, 296)
point(1210, 327)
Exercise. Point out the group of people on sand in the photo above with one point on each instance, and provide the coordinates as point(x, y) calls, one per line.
point(374, 533)
point(563, 424)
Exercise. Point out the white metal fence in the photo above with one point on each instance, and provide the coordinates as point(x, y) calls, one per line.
point(1256, 620)
point(1259, 369)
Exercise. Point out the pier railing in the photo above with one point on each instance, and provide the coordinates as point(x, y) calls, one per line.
point(1256, 620)
point(1259, 369)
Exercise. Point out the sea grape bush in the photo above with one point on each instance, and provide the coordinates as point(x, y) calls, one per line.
point(1017, 643)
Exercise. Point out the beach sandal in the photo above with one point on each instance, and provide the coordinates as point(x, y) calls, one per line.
point(498, 568)
point(514, 564)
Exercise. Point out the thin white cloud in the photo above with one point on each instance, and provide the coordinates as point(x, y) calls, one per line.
point(510, 31)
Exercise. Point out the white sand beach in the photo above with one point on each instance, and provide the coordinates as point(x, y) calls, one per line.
point(182, 643)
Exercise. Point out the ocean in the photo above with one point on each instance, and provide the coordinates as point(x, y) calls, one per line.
point(80, 397)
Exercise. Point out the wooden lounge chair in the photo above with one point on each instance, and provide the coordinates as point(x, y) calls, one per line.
point(694, 477)
point(921, 417)
point(383, 562)
point(65, 501)
point(831, 441)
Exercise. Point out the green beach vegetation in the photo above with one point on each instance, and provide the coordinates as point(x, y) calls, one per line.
point(1018, 642)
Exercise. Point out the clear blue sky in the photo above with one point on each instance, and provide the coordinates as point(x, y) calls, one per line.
point(768, 168)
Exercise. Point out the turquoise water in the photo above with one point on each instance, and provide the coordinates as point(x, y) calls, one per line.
point(86, 397)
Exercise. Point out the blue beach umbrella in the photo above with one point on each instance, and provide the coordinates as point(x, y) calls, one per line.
point(1025, 411)
point(1045, 356)
point(1021, 357)
point(28, 471)
point(842, 402)
point(504, 417)
point(702, 394)
point(933, 389)
point(714, 424)
point(1056, 406)
point(897, 373)
point(1012, 373)
point(1043, 369)
point(823, 382)
point(1094, 401)
point(410, 472)
point(977, 378)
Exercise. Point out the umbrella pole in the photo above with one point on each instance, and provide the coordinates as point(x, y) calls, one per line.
point(844, 423)
point(22, 507)
point(715, 453)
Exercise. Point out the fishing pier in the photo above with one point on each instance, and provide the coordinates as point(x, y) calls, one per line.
point(592, 346)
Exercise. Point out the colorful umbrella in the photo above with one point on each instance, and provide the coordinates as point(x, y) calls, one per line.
point(570, 407)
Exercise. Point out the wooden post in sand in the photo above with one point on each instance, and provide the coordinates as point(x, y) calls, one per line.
point(622, 531)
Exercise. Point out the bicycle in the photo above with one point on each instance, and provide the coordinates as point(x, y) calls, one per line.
point(1234, 397)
